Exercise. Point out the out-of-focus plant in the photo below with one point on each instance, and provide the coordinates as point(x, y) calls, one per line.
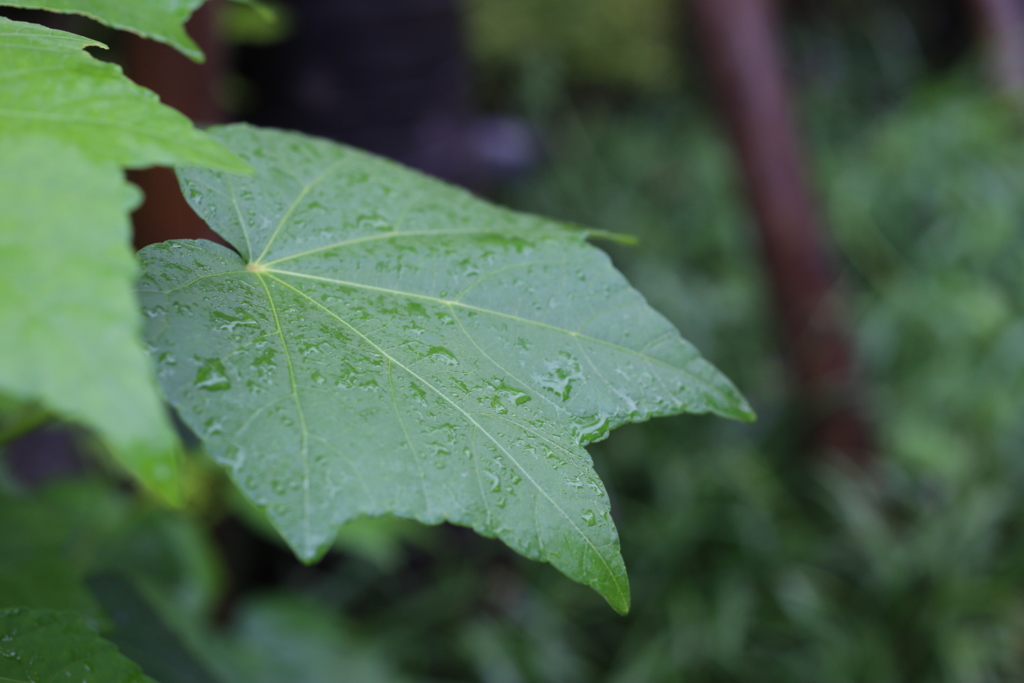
point(620, 43)
point(929, 209)
point(757, 566)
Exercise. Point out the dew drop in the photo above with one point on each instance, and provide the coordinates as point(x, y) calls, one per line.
point(212, 376)
point(443, 355)
point(596, 430)
point(560, 375)
point(213, 426)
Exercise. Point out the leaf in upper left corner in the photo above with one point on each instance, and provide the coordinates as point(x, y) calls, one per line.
point(69, 319)
point(49, 85)
point(161, 20)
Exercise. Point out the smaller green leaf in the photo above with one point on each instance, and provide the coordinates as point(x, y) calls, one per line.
point(45, 645)
point(69, 321)
point(51, 86)
point(161, 20)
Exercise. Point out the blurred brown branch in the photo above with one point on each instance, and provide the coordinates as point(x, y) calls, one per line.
point(741, 50)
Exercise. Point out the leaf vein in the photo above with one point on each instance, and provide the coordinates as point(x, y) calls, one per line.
point(412, 295)
point(518, 465)
point(630, 403)
point(508, 266)
point(306, 189)
point(408, 439)
point(508, 372)
point(304, 446)
point(392, 234)
point(191, 282)
point(241, 221)
point(479, 480)
point(348, 459)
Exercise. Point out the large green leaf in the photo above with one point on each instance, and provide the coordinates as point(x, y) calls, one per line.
point(44, 645)
point(50, 85)
point(384, 343)
point(69, 318)
point(161, 20)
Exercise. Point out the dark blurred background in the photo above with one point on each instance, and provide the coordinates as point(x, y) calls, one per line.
point(829, 201)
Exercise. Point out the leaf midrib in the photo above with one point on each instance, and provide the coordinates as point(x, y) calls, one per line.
point(448, 302)
point(304, 449)
point(382, 236)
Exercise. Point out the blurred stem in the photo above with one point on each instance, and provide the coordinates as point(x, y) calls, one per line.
point(1001, 30)
point(740, 47)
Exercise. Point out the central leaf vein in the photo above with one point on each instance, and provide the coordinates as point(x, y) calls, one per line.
point(391, 234)
point(525, 472)
point(447, 302)
point(304, 447)
point(408, 439)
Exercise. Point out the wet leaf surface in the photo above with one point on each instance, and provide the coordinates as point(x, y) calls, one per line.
point(384, 343)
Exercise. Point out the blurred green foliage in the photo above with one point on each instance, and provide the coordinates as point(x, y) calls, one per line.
point(152, 581)
point(928, 207)
point(255, 23)
point(617, 43)
point(749, 563)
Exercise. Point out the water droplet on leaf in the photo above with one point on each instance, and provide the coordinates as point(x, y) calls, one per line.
point(212, 376)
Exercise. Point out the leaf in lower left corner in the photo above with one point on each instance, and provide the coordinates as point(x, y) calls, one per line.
point(47, 645)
